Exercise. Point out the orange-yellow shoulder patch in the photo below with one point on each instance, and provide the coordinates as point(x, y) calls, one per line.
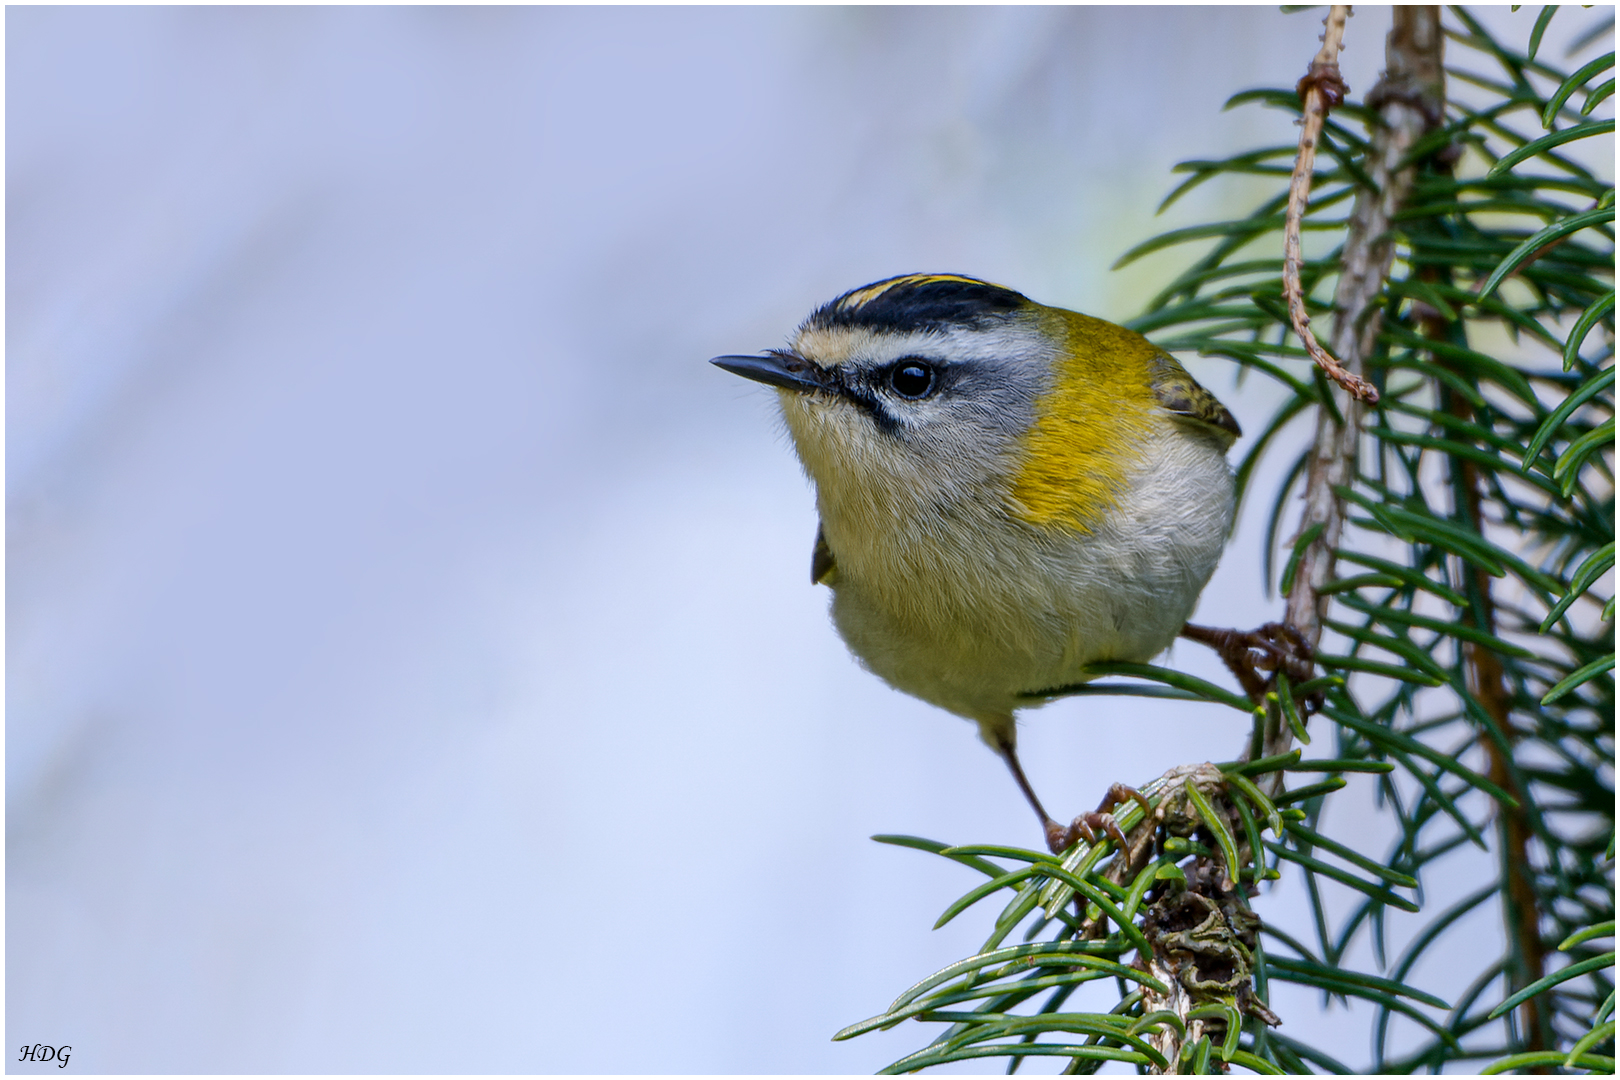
point(1088, 426)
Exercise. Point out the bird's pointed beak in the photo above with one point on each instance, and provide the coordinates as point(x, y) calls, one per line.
point(782, 369)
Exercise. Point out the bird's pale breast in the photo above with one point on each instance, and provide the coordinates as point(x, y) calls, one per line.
point(970, 614)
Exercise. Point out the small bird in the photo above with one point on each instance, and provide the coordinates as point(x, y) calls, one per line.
point(1008, 492)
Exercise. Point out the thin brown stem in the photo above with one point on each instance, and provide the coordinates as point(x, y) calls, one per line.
point(1321, 89)
point(1523, 910)
point(1488, 683)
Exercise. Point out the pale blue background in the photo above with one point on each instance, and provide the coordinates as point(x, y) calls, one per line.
point(411, 660)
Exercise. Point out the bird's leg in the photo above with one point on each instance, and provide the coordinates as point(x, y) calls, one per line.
point(1059, 837)
point(1247, 654)
point(1055, 833)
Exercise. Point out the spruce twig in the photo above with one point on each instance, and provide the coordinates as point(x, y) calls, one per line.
point(1321, 89)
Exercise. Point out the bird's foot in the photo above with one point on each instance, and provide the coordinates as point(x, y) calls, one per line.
point(1060, 838)
point(1255, 657)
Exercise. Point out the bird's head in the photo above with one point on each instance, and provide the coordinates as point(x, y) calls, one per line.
point(926, 392)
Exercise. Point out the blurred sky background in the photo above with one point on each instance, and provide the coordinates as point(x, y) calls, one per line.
point(411, 660)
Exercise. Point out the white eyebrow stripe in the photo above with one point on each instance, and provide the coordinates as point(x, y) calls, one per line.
point(864, 349)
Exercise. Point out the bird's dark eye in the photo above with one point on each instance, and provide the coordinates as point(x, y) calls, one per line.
point(912, 379)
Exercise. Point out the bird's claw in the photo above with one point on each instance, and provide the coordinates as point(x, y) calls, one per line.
point(1256, 656)
point(1086, 827)
point(1088, 824)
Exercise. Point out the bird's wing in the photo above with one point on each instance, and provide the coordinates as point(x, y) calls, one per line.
point(822, 565)
point(1179, 393)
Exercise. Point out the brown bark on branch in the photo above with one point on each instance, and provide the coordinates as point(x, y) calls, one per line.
point(1203, 934)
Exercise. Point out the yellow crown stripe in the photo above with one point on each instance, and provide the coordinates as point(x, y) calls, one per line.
point(861, 297)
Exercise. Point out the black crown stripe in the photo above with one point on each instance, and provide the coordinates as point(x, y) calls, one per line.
point(919, 302)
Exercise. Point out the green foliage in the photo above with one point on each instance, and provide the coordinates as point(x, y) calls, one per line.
point(1473, 616)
